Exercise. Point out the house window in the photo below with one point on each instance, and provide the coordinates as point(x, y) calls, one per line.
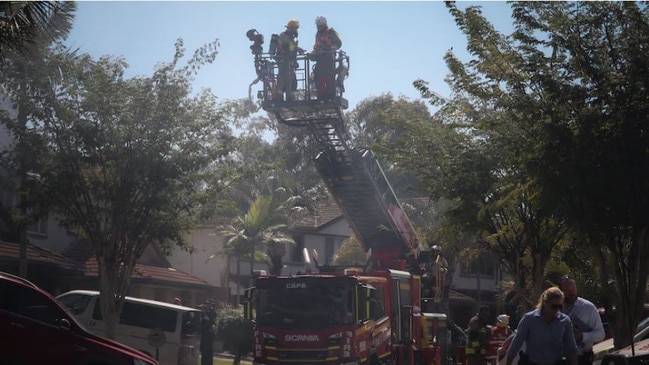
point(329, 249)
point(483, 266)
point(39, 227)
point(296, 253)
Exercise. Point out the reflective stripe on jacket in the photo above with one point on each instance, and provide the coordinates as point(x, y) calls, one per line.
point(497, 338)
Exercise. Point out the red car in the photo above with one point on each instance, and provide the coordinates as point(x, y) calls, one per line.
point(36, 330)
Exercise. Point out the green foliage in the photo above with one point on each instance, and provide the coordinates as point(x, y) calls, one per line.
point(370, 126)
point(126, 162)
point(556, 113)
point(233, 329)
point(26, 23)
point(350, 254)
point(260, 227)
point(27, 30)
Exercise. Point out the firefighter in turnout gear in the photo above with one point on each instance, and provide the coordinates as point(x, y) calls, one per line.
point(499, 334)
point(286, 57)
point(327, 42)
point(478, 337)
point(441, 269)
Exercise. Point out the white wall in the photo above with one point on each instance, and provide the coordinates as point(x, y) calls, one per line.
point(55, 239)
point(198, 262)
point(462, 281)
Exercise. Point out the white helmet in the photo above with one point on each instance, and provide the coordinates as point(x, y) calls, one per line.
point(503, 318)
point(320, 20)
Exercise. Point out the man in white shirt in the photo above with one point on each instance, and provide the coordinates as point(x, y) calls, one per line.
point(585, 319)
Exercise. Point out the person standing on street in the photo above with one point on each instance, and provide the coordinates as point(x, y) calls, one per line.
point(546, 332)
point(478, 337)
point(499, 334)
point(586, 322)
point(327, 42)
point(207, 332)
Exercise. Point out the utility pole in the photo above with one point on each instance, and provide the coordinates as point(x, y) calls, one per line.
point(22, 237)
point(252, 264)
point(23, 240)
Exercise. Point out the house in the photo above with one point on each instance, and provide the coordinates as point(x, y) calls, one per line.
point(324, 231)
point(75, 267)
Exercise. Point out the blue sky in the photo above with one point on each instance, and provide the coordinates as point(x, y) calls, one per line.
point(390, 43)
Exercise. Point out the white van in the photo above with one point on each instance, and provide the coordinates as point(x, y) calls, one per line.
point(171, 333)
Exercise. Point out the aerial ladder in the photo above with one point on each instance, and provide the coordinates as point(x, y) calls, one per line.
point(353, 176)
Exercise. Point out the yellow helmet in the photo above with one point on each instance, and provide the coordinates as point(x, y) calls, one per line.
point(293, 23)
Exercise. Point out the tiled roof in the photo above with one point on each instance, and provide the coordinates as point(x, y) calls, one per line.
point(151, 272)
point(37, 254)
point(324, 214)
point(457, 296)
point(81, 251)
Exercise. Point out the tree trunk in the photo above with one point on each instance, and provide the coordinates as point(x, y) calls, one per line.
point(237, 357)
point(631, 279)
point(110, 310)
point(114, 279)
point(238, 279)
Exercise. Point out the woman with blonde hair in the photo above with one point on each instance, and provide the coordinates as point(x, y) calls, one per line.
point(546, 332)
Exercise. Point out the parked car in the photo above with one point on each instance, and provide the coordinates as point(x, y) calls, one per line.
point(178, 328)
point(637, 353)
point(36, 330)
point(605, 347)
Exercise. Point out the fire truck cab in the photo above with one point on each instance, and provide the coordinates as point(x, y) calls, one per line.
point(343, 318)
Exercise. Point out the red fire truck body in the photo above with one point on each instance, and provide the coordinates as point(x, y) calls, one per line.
point(368, 315)
point(344, 318)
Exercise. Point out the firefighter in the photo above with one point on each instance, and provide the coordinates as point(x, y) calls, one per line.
point(499, 334)
point(286, 57)
point(327, 42)
point(478, 337)
point(441, 268)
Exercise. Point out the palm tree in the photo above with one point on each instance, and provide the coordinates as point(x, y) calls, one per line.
point(27, 30)
point(262, 226)
point(23, 23)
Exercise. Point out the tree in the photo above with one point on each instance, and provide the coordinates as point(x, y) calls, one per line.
point(23, 23)
point(568, 103)
point(261, 227)
point(124, 162)
point(27, 30)
point(350, 254)
point(370, 127)
point(592, 158)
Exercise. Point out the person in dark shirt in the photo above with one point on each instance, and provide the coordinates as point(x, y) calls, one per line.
point(478, 337)
point(286, 57)
point(207, 332)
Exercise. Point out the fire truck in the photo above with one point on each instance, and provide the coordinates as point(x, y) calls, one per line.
point(370, 315)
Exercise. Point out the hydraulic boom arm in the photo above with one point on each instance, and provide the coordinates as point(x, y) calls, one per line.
point(353, 176)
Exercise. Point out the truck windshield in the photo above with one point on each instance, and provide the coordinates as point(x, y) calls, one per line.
point(304, 303)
